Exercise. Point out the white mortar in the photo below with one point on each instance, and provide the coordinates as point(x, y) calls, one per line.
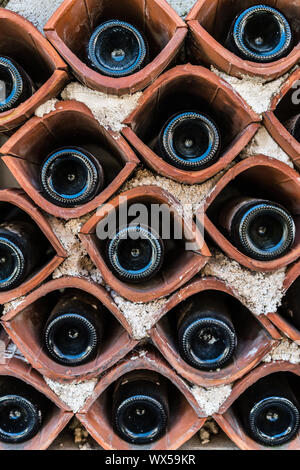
point(140, 316)
point(36, 11)
point(286, 350)
point(109, 110)
point(46, 108)
point(78, 263)
point(263, 143)
point(192, 197)
point(261, 292)
point(73, 394)
point(254, 90)
point(12, 305)
point(211, 399)
point(182, 7)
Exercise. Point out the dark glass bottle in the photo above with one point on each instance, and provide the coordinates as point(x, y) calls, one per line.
point(117, 49)
point(290, 308)
point(269, 410)
point(21, 248)
point(22, 409)
point(261, 229)
point(206, 334)
point(135, 253)
point(71, 176)
point(190, 141)
point(293, 126)
point(16, 86)
point(260, 34)
point(74, 329)
point(140, 407)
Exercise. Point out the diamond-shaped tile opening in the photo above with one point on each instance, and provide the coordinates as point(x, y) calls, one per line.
point(182, 259)
point(71, 27)
point(184, 88)
point(229, 418)
point(257, 177)
point(71, 124)
point(285, 106)
point(73, 437)
point(287, 317)
point(255, 335)
point(209, 23)
point(26, 324)
point(22, 42)
point(184, 420)
point(16, 206)
point(57, 414)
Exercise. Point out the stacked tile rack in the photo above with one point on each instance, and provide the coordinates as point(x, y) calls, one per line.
point(196, 39)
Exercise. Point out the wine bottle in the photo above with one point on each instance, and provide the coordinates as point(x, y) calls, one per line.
point(206, 334)
point(21, 248)
point(293, 126)
point(190, 141)
point(15, 85)
point(117, 49)
point(260, 34)
point(290, 307)
point(22, 410)
point(135, 253)
point(71, 176)
point(261, 229)
point(140, 407)
point(269, 410)
point(74, 329)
